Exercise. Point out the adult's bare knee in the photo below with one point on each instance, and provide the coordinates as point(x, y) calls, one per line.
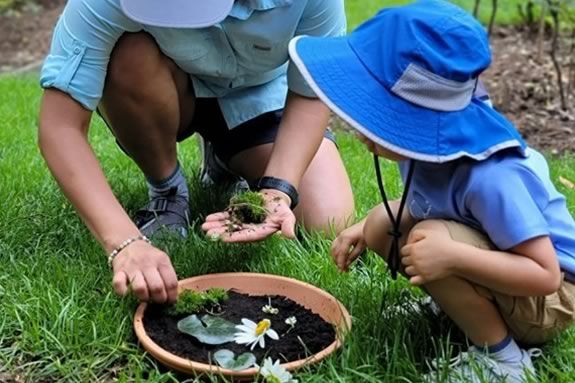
point(134, 60)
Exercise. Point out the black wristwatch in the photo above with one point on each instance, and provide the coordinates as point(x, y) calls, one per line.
point(278, 184)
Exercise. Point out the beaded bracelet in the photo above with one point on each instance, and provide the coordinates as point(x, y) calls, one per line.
point(125, 244)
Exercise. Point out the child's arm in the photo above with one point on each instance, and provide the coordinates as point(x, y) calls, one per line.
point(372, 231)
point(348, 246)
point(529, 269)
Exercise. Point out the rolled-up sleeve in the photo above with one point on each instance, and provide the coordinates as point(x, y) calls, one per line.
point(83, 39)
point(320, 18)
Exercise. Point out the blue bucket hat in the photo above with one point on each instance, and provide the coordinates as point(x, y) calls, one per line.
point(406, 80)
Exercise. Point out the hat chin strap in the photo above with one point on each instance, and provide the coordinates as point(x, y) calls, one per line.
point(431, 91)
point(393, 258)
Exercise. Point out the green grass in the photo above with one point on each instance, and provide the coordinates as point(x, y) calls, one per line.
point(60, 321)
point(359, 10)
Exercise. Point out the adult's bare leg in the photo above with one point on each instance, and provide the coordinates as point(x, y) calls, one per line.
point(147, 100)
point(326, 199)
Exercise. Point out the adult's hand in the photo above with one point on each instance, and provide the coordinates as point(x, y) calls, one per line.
point(147, 272)
point(280, 218)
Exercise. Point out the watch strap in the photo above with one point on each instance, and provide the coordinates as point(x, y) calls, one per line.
point(281, 185)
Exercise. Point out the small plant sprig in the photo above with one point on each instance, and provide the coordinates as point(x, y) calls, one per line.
point(248, 207)
point(269, 309)
point(191, 301)
point(291, 321)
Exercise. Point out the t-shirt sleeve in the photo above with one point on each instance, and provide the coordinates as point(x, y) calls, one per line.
point(320, 18)
point(510, 206)
point(81, 45)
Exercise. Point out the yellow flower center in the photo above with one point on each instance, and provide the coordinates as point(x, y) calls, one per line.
point(263, 326)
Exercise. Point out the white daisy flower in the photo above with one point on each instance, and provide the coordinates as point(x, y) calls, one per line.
point(275, 373)
point(251, 333)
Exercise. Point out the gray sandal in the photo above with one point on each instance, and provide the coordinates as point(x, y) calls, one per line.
point(168, 213)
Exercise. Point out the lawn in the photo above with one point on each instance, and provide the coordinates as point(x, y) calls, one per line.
point(60, 321)
point(359, 10)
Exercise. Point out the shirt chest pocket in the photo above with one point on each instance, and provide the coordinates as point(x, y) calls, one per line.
point(260, 54)
point(419, 206)
point(183, 45)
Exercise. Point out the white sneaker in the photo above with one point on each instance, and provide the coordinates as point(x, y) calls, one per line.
point(475, 366)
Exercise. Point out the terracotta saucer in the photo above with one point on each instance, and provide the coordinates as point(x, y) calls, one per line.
point(311, 297)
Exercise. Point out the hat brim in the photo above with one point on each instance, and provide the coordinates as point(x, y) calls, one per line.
point(340, 80)
point(177, 13)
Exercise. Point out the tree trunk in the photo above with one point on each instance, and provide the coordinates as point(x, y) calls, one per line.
point(493, 15)
point(541, 32)
point(571, 77)
point(554, 11)
point(476, 8)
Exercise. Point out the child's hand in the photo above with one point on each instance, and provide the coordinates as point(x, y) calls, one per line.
point(427, 257)
point(348, 246)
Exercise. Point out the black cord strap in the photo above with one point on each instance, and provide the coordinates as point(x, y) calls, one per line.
point(394, 258)
point(281, 185)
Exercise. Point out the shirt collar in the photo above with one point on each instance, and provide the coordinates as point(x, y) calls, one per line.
point(243, 9)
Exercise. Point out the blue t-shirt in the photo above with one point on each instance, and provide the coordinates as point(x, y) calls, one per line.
point(508, 196)
point(243, 61)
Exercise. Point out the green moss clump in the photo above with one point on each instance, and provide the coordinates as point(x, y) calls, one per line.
point(248, 207)
point(191, 301)
point(216, 296)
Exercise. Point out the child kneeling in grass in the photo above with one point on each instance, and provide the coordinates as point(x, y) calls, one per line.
point(487, 234)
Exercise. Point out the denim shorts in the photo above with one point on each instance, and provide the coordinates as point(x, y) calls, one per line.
point(209, 122)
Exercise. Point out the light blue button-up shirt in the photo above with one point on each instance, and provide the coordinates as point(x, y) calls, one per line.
point(243, 61)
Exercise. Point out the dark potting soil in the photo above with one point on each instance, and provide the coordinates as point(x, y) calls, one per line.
point(310, 335)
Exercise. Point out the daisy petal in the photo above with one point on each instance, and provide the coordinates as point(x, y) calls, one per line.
point(249, 323)
point(272, 334)
point(245, 328)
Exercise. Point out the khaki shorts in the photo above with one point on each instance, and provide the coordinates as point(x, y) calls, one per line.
point(531, 320)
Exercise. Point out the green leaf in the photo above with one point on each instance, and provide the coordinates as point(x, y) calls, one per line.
point(215, 331)
point(225, 358)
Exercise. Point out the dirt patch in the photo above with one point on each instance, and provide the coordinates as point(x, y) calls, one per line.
point(25, 33)
point(11, 378)
point(522, 87)
point(310, 335)
point(525, 89)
